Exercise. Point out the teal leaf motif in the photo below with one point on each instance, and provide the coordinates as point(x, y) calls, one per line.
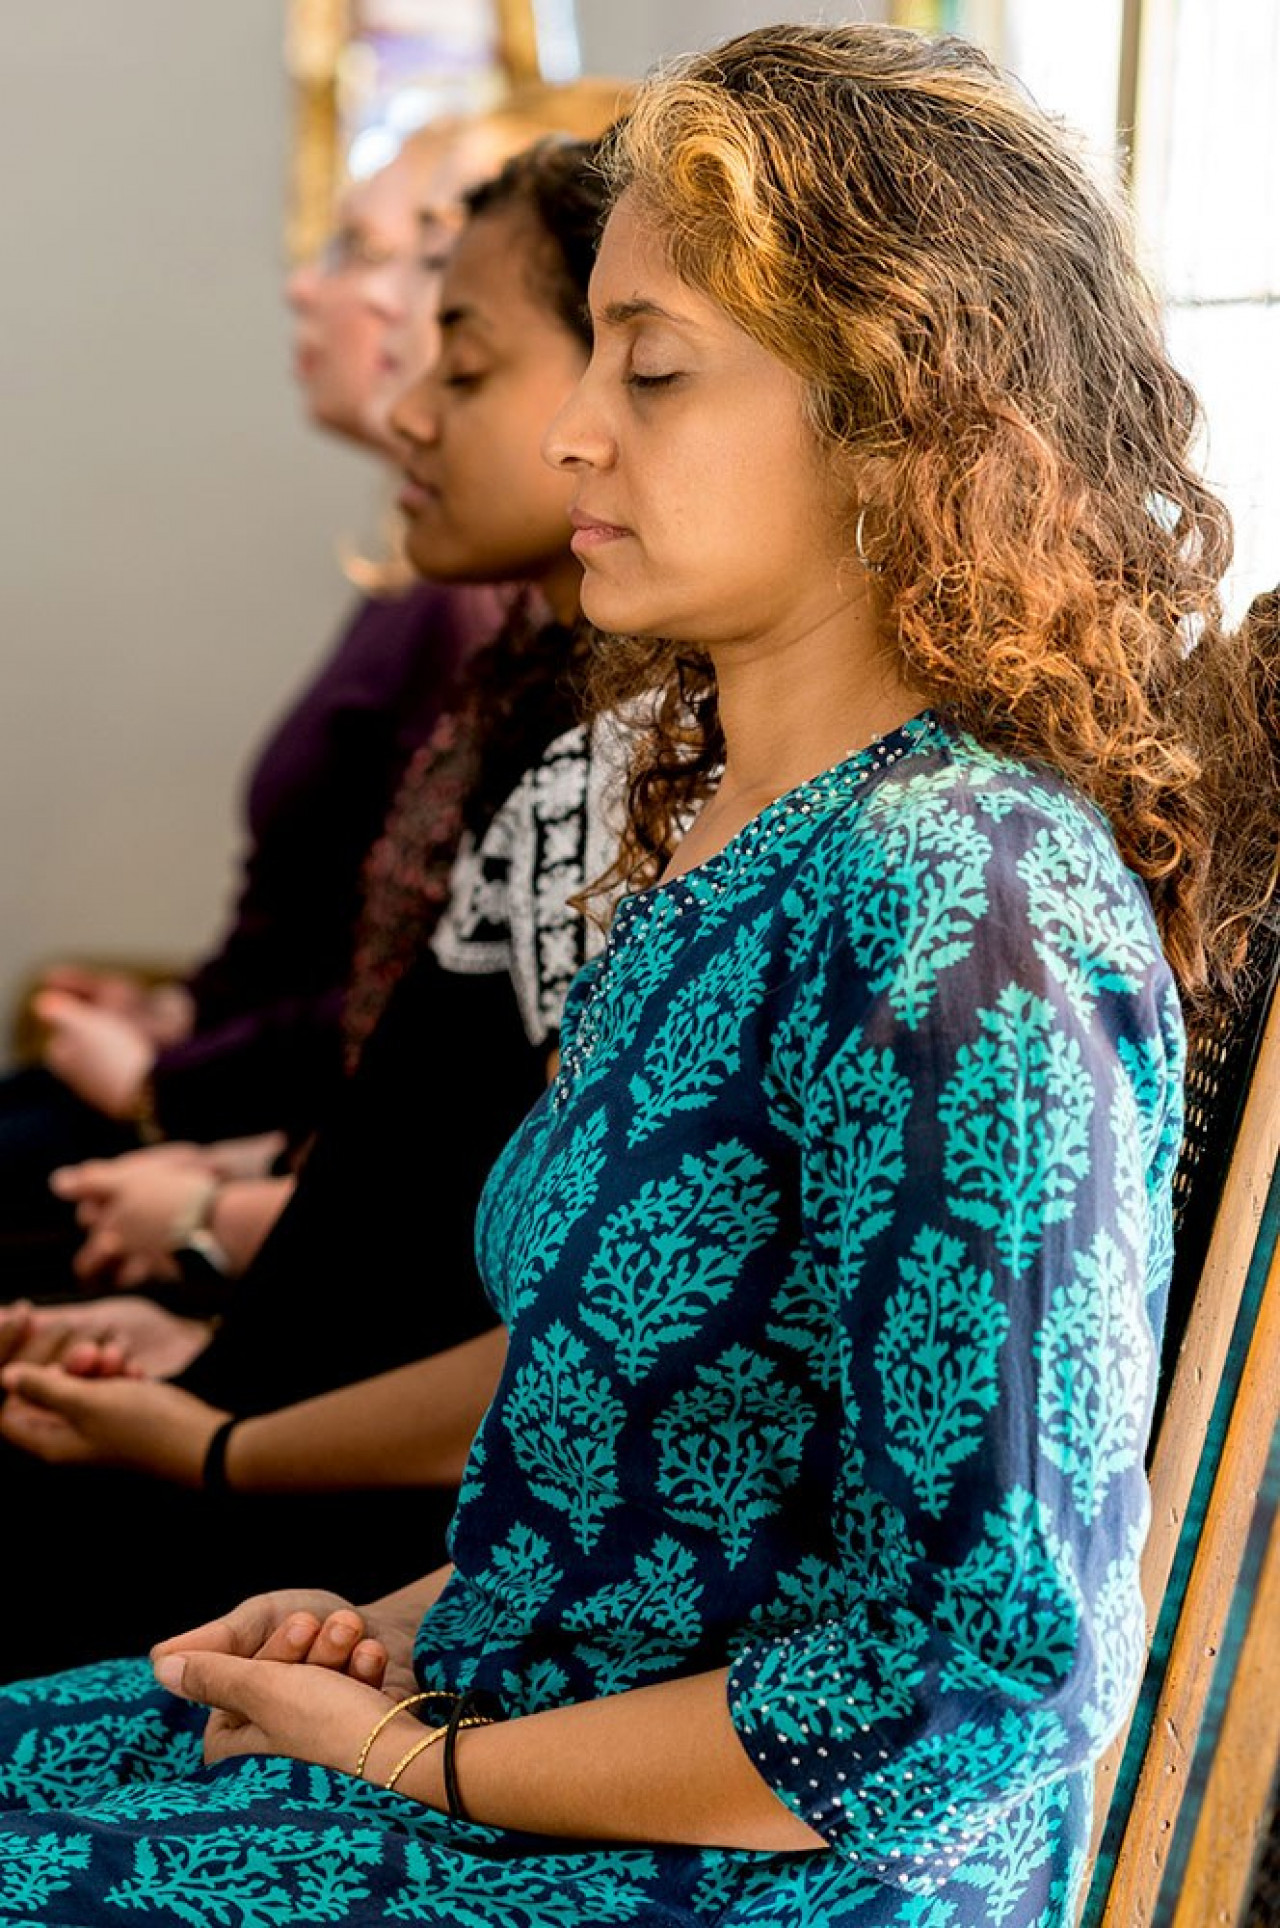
point(1148, 1072)
point(1016, 1115)
point(503, 1598)
point(730, 1446)
point(640, 1625)
point(1097, 1363)
point(114, 1680)
point(805, 1321)
point(926, 1911)
point(794, 1047)
point(856, 1130)
point(875, 1545)
point(1019, 1844)
point(1093, 934)
point(674, 1250)
point(1012, 1605)
point(1132, 1212)
point(960, 1779)
point(254, 1781)
point(822, 1891)
point(524, 1239)
point(816, 1590)
point(543, 1891)
point(915, 902)
point(540, 1684)
point(251, 1877)
point(857, 1671)
point(937, 1357)
point(115, 1747)
point(698, 1045)
point(563, 1421)
point(33, 1869)
point(1120, 1646)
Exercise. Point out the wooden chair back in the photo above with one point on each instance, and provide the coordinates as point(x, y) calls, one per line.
point(1215, 1430)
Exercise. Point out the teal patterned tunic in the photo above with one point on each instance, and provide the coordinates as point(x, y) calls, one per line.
point(834, 1264)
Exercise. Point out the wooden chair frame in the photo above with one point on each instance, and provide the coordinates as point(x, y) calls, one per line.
point(1210, 1457)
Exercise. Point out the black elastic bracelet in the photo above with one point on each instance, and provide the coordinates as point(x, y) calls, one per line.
point(468, 1710)
point(213, 1475)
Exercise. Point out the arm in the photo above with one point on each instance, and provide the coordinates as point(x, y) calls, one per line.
point(409, 1427)
point(654, 1764)
point(988, 1153)
point(243, 1213)
point(140, 1210)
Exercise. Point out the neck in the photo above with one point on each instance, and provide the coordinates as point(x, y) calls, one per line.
point(791, 707)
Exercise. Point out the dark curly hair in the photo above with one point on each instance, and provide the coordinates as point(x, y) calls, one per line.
point(894, 219)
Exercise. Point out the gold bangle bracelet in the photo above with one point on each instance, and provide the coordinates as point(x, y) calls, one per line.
point(410, 1700)
point(419, 1747)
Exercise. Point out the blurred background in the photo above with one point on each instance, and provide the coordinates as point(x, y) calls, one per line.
point(170, 529)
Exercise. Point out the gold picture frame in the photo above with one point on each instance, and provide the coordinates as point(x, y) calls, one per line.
point(332, 53)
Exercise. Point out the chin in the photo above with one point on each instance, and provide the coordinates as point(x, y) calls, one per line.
point(607, 608)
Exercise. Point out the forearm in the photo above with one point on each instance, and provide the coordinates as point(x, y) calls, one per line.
point(409, 1427)
point(243, 1213)
point(660, 1764)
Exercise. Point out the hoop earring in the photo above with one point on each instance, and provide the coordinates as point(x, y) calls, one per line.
point(872, 568)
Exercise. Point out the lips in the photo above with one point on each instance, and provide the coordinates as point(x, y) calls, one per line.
point(592, 532)
point(415, 494)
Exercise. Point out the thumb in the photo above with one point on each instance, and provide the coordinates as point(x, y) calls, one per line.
point(212, 1680)
point(56, 1007)
point(48, 1387)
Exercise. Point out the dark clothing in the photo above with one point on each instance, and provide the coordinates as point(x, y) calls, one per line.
point(265, 1051)
point(267, 1005)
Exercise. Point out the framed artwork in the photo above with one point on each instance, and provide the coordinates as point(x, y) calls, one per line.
point(365, 73)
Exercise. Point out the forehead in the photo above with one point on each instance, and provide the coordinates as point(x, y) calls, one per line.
point(490, 274)
point(385, 199)
point(632, 262)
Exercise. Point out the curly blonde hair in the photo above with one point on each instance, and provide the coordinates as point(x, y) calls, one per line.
point(895, 220)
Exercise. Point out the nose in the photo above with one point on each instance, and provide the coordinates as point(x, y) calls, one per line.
point(300, 288)
point(414, 417)
point(579, 436)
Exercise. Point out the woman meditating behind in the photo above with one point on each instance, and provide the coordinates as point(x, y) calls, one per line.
point(799, 1544)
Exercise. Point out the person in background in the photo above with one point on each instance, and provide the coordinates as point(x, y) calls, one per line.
point(251, 1041)
point(372, 1264)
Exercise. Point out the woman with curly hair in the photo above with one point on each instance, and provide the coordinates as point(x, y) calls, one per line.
point(794, 1576)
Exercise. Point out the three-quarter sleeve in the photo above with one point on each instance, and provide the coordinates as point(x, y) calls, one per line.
point(990, 1104)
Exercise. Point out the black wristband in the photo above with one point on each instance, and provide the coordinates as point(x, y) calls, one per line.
point(470, 1709)
point(213, 1477)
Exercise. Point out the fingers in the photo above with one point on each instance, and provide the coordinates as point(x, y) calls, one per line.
point(240, 1632)
point(219, 1680)
point(15, 1327)
point(82, 1181)
point(47, 1387)
point(40, 1433)
point(99, 1254)
point(369, 1662)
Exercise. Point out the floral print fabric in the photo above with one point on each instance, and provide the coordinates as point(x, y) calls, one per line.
point(834, 1263)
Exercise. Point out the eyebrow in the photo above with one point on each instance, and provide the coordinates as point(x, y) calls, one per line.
point(618, 313)
point(460, 315)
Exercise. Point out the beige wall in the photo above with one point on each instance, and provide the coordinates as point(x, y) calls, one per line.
point(167, 523)
point(628, 36)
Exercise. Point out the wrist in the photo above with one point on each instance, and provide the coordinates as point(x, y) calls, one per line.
point(193, 1228)
point(141, 1112)
point(212, 1475)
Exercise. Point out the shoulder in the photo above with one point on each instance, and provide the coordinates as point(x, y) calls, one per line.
point(957, 872)
point(959, 818)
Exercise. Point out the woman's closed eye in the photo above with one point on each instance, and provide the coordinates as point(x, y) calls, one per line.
point(639, 378)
